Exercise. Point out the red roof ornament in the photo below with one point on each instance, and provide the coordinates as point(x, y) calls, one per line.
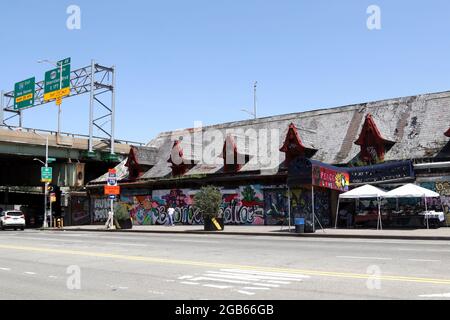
point(230, 151)
point(176, 159)
point(373, 145)
point(132, 164)
point(293, 146)
point(293, 143)
point(447, 133)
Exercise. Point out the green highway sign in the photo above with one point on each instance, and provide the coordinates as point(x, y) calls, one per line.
point(49, 160)
point(46, 174)
point(53, 86)
point(24, 94)
point(64, 62)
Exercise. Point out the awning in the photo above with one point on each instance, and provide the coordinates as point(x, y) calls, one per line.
point(304, 171)
point(412, 191)
point(366, 191)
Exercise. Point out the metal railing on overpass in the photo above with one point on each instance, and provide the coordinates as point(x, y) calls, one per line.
point(73, 135)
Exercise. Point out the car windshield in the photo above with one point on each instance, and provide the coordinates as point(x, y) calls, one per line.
point(14, 214)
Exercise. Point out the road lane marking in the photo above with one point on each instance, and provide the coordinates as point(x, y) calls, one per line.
point(424, 250)
point(190, 283)
point(250, 276)
point(51, 239)
point(185, 277)
point(125, 244)
point(256, 288)
point(423, 260)
point(278, 275)
point(53, 277)
point(216, 286)
point(220, 280)
point(233, 276)
point(5, 269)
point(332, 274)
point(278, 282)
point(441, 295)
point(30, 273)
point(246, 293)
point(269, 285)
point(194, 241)
point(363, 258)
point(156, 292)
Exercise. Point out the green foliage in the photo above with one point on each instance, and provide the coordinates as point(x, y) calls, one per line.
point(208, 201)
point(249, 194)
point(121, 213)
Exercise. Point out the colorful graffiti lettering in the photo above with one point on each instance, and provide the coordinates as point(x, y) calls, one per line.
point(246, 205)
point(101, 206)
point(243, 206)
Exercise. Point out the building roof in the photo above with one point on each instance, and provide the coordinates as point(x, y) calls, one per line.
point(416, 125)
point(146, 156)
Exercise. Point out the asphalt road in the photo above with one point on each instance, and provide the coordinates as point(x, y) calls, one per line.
point(89, 265)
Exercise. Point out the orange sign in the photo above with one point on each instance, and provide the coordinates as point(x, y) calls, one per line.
point(109, 190)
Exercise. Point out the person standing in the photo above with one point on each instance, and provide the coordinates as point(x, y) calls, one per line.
point(170, 213)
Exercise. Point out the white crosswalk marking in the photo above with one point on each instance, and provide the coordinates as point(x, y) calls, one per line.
point(246, 282)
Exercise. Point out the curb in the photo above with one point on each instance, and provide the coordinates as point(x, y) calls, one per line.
point(255, 234)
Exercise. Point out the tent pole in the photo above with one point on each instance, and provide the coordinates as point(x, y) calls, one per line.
point(313, 212)
point(380, 221)
point(337, 213)
point(289, 207)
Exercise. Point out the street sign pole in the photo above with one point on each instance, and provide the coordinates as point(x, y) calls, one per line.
point(46, 184)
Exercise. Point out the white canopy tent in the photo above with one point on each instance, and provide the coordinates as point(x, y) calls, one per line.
point(414, 191)
point(364, 192)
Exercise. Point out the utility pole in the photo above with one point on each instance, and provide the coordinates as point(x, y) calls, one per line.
point(254, 98)
point(254, 113)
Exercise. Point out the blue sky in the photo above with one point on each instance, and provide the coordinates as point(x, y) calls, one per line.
point(184, 61)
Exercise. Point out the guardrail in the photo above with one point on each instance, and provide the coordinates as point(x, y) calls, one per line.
point(73, 135)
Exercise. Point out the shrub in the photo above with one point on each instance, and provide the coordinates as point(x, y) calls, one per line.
point(208, 201)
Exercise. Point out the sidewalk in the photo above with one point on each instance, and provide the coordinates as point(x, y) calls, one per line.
point(415, 234)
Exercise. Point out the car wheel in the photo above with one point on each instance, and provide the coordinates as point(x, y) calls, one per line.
point(15, 229)
point(22, 229)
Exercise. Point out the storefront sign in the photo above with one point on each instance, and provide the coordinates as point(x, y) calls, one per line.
point(330, 178)
point(382, 172)
point(303, 171)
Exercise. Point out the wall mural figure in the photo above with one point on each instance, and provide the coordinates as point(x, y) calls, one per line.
point(276, 206)
point(301, 205)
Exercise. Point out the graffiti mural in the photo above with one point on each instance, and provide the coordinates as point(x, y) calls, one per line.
point(275, 206)
point(79, 210)
point(100, 208)
point(246, 205)
point(243, 206)
point(443, 188)
point(301, 205)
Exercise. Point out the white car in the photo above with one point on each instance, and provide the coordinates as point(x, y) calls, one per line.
point(12, 220)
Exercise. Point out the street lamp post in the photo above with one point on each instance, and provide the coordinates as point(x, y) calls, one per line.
point(46, 183)
point(254, 113)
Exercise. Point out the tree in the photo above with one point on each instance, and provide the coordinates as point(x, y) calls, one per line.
point(208, 201)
